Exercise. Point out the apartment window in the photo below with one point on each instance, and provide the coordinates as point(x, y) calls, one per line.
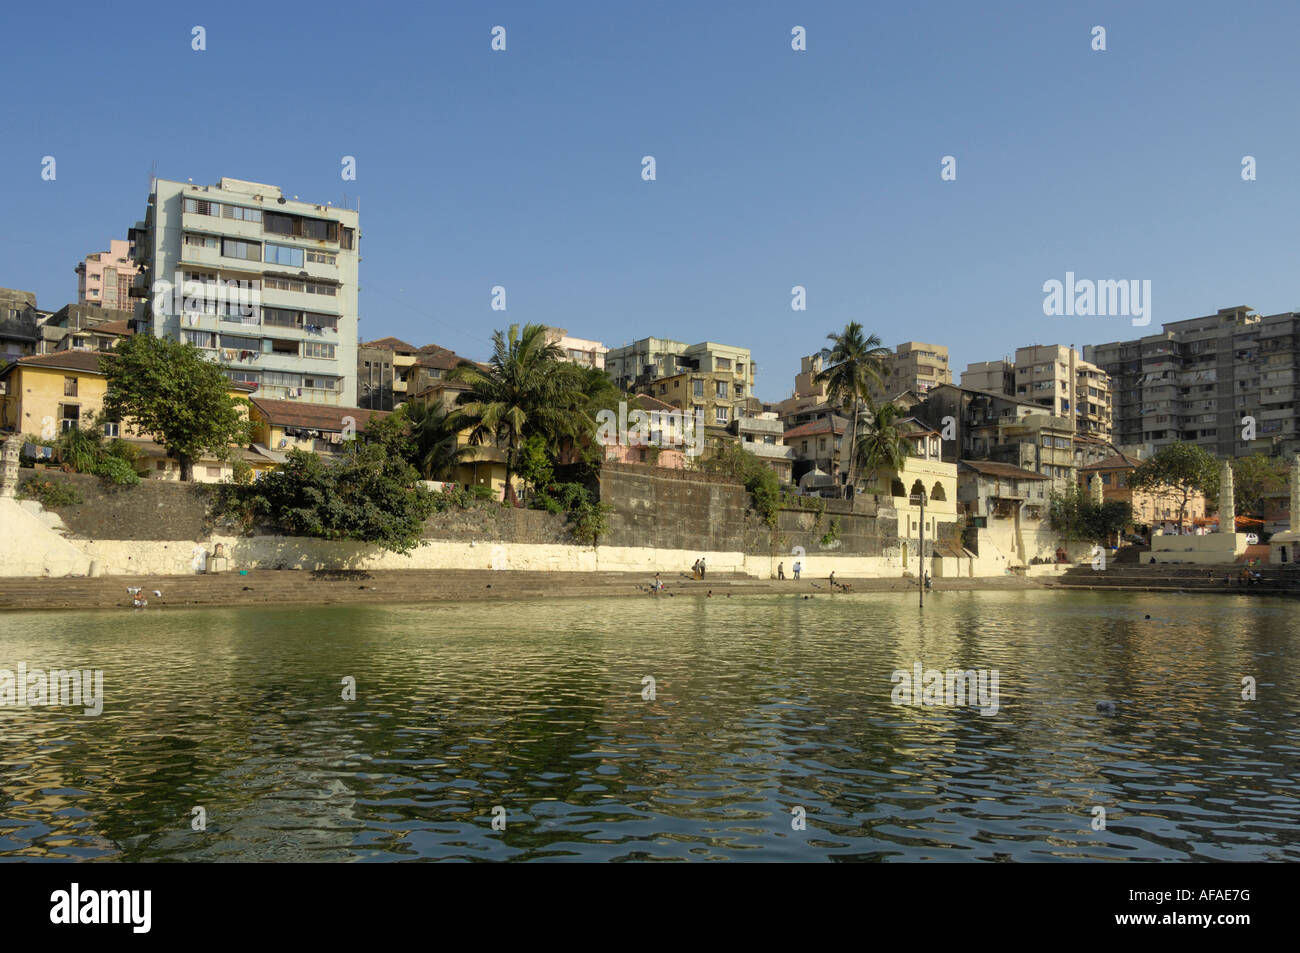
point(323, 383)
point(723, 363)
point(69, 387)
point(313, 288)
point(70, 417)
point(284, 255)
point(280, 317)
point(663, 388)
point(318, 350)
point(721, 388)
point(803, 449)
point(248, 251)
point(740, 390)
point(201, 207)
point(721, 415)
point(349, 238)
point(821, 444)
point(205, 339)
point(213, 471)
point(315, 228)
point(241, 214)
point(200, 241)
point(697, 387)
point(320, 258)
point(112, 428)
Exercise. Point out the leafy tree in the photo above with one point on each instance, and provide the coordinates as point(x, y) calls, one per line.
point(370, 495)
point(534, 462)
point(881, 442)
point(856, 365)
point(1254, 479)
point(524, 390)
point(167, 390)
point(1178, 471)
point(1075, 515)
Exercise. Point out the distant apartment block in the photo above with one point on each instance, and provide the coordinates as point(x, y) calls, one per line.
point(83, 327)
point(104, 278)
point(1206, 380)
point(1054, 377)
point(917, 367)
point(19, 324)
point(236, 240)
point(807, 391)
point(635, 366)
point(578, 351)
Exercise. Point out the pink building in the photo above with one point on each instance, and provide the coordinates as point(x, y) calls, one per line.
point(104, 278)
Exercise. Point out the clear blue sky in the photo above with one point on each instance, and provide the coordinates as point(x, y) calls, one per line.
point(775, 168)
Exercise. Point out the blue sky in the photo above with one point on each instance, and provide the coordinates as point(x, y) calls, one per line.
point(775, 168)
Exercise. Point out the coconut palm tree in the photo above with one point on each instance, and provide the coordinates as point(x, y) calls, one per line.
point(855, 364)
point(881, 442)
point(523, 390)
point(434, 434)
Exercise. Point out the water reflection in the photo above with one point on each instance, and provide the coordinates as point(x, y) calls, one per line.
point(763, 705)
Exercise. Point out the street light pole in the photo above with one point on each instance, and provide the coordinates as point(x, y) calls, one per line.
point(920, 555)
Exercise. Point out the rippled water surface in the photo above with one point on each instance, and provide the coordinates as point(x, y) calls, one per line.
point(763, 706)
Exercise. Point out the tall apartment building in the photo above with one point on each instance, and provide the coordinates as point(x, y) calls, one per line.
point(104, 278)
point(635, 366)
point(1203, 380)
point(917, 367)
point(1055, 377)
point(237, 242)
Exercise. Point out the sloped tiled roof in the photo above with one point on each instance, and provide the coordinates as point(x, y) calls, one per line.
point(1005, 470)
point(815, 427)
point(297, 413)
point(1119, 461)
point(83, 361)
point(390, 344)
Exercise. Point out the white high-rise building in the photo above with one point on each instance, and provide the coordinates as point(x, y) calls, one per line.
point(264, 285)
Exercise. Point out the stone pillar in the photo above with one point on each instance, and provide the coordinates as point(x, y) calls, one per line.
point(1295, 493)
point(1227, 505)
point(1098, 496)
point(9, 454)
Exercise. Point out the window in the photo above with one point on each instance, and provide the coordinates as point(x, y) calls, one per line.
point(69, 387)
point(200, 241)
point(199, 338)
point(721, 388)
point(284, 255)
point(320, 258)
point(112, 428)
point(280, 317)
point(349, 238)
point(740, 390)
point(213, 471)
point(721, 415)
point(318, 350)
point(200, 207)
point(70, 417)
point(241, 214)
point(248, 251)
point(697, 388)
point(723, 364)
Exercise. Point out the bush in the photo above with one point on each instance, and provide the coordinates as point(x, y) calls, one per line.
point(482, 492)
point(49, 493)
point(241, 472)
point(115, 470)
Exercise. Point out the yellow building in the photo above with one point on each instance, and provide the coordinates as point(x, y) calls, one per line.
point(923, 469)
point(48, 394)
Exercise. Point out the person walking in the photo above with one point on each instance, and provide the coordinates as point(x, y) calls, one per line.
point(780, 570)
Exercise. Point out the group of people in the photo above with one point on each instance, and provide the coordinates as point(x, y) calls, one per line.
point(797, 568)
point(697, 570)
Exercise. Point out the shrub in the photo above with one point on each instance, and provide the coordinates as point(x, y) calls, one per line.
point(115, 470)
point(49, 493)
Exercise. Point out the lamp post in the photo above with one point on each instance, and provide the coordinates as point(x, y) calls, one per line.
point(919, 498)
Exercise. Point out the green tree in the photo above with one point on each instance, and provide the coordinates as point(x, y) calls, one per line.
point(856, 365)
point(370, 495)
point(1178, 471)
point(1254, 479)
point(167, 390)
point(523, 390)
point(1073, 514)
point(881, 442)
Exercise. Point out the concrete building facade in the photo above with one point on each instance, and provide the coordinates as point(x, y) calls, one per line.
point(104, 278)
point(267, 285)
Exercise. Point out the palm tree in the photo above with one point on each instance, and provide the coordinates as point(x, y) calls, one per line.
point(856, 363)
point(881, 442)
point(522, 390)
point(434, 432)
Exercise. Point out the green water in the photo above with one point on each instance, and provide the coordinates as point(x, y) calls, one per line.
point(766, 710)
